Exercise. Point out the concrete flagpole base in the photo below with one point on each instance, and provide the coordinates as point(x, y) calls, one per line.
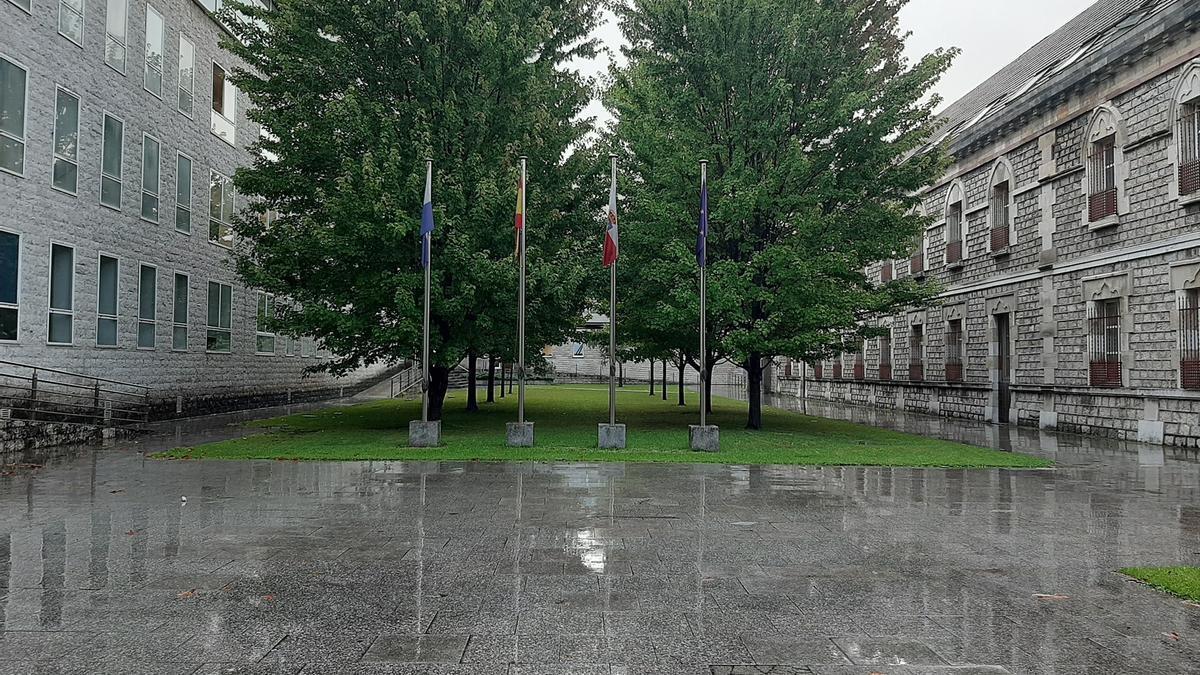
point(519, 434)
point(612, 436)
point(424, 434)
point(705, 438)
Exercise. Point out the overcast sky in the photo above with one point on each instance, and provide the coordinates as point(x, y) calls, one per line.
point(989, 33)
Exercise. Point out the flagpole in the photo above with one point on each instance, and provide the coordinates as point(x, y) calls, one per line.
point(521, 303)
point(703, 313)
point(427, 243)
point(612, 324)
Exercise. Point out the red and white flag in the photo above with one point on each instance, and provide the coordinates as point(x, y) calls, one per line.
point(610, 233)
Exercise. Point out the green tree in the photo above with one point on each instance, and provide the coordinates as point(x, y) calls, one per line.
point(815, 126)
point(351, 98)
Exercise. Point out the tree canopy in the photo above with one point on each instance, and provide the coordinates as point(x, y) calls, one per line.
point(812, 121)
point(351, 98)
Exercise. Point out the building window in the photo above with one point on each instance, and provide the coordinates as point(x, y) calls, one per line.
point(954, 350)
point(916, 263)
point(885, 356)
point(10, 279)
point(187, 75)
point(1189, 148)
point(147, 297)
point(265, 339)
point(106, 301)
point(224, 106)
point(150, 174)
point(1189, 338)
point(220, 301)
point(955, 248)
point(289, 346)
point(12, 117)
point(818, 370)
point(70, 20)
point(114, 34)
point(155, 33)
point(65, 174)
point(837, 367)
point(1104, 336)
point(860, 362)
point(577, 350)
point(112, 155)
point(179, 314)
point(183, 193)
point(308, 348)
point(61, 329)
point(1000, 208)
point(23, 4)
point(886, 273)
point(1102, 194)
point(916, 353)
point(220, 209)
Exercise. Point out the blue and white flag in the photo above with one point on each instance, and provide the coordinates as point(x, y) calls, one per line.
point(702, 237)
point(427, 216)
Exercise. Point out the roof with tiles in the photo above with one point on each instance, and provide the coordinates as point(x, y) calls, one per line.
point(1098, 25)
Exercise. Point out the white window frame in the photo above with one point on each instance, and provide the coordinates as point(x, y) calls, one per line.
point(50, 309)
point(54, 156)
point(28, 10)
point(210, 328)
point(176, 325)
point(116, 317)
point(120, 180)
point(957, 194)
point(1002, 173)
point(228, 113)
point(17, 305)
point(180, 205)
point(224, 231)
point(1106, 122)
point(191, 84)
point(156, 194)
point(82, 14)
point(124, 42)
point(258, 331)
point(162, 50)
point(23, 140)
point(141, 320)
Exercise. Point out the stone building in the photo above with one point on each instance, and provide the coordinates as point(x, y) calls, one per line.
point(118, 134)
point(1065, 242)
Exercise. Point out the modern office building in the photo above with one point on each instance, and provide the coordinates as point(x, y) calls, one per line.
point(1065, 240)
point(118, 136)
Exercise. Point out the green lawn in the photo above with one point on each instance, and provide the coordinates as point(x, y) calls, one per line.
point(1181, 581)
point(566, 418)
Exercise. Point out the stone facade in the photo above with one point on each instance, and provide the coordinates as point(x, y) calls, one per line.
point(1078, 314)
point(185, 375)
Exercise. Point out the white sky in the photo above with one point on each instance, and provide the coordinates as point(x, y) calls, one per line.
point(990, 35)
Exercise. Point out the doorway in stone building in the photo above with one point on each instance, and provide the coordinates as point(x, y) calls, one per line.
point(1003, 368)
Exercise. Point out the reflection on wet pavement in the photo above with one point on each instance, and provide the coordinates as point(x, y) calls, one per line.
point(402, 567)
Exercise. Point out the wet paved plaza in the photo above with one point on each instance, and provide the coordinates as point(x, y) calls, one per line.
point(284, 567)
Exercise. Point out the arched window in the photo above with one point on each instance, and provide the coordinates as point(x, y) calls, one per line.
point(916, 261)
point(1185, 107)
point(956, 226)
point(1001, 206)
point(1105, 168)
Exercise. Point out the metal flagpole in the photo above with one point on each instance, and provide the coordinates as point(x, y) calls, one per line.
point(612, 323)
point(521, 303)
point(427, 243)
point(703, 302)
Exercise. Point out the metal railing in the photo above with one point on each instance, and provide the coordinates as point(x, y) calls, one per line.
point(41, 394)
point(405, 380)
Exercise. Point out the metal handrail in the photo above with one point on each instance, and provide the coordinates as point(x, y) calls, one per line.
point(34, 397)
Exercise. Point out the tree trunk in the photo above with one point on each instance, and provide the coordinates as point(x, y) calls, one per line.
point(512, 375)
point(491, 398)
point(439, 381)
point(620, 373)
point(651, 377)
point(664, 382)
point(502, 379)
point(681, 374)
point(754, 387)
point(472, 401)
